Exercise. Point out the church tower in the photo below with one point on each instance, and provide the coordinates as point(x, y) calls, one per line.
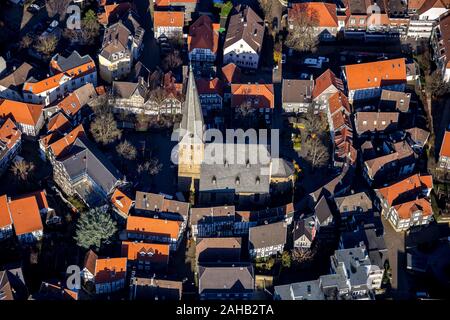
point(191, 145)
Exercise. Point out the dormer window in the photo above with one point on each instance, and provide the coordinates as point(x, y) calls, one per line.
point(214, 180)
point(258, 180)
point(237, 181)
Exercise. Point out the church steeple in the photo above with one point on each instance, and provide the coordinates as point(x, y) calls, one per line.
point(191, 145)
point(192, 121)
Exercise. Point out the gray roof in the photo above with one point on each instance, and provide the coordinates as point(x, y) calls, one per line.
point(212, 214)
point(125, 90)
point(306, 290)
point(304, 227)
point(353, 202)
point(192, 121)
point(246, 25)
point(322, 210)
point(337, 184)
point(281, 168)
point(158, 203)
point(234, 279)
point(233, 175)
point(297, 91)
point(17, 77)
point(267, 235)
point(84, 158)
point(72, 61)
point(115, 39)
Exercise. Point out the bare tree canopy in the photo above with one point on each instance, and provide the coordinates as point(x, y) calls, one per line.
point(126, 150)
point(172, 61)
point(302, 23)
point(151, 167)
point(316, 152)
point(26, 41)
point(104, 129)
point(57, 7)
point(22, 170)
point(46, 45)
point(266, 6)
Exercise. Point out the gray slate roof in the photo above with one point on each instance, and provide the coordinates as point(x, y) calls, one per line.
point(230, 175)
point(322, 210)
point(237, 279)
point(304, 227)
point(352, 202)
point(125, 90)
point(84, 158)
point(72, 61)
point(267, 235)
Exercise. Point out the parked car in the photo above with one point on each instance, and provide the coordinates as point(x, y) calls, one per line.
point(283, 58)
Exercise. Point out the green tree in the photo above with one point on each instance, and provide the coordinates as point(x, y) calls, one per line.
point(94, 229)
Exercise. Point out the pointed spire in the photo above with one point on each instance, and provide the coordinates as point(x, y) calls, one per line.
point(192, 120)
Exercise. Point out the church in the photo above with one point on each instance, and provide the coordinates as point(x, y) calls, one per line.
point(233, 180)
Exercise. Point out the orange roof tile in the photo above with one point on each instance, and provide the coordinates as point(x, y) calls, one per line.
point(405, 210)
point(25, 113)
point(375, 74)
point(121, 201)
point(167, 3)
point(110, 270)
point(445, 147)
point(70, 104)
point(5, 216)
point(155, 253)
point(324, 81)
point(54, 81)
point(9, 133)
point(153, 226)
point(25, 214)
point(242, 92)
point(64, 143)
point(231, 73)
point(202, 35)
point(414, 182)
point(168, 19)
point(113, 9)
point(337, 101)
point(58, 122)
point(324, 13)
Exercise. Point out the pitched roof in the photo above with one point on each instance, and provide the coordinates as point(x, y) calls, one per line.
point(260, 95)
point(158, 203)
point(192, 120)
point(156, 289)
point(121, 201)
point(218, 250)
point(406, 210)
point(375, 121)
point(324, 81)
point(90, 259)
point(113, 11)
point(415, 183)
point(445, 146)
point(9, 133)
point(199, 215)
point(324, 14)
point(25, 214)
point(58, 122)
point(352, 202)
point(245, 25)
point(267, 235)
point(213, 86)
point(124, 89)
point(52, 291)
point(166, 3)
point(375, 74)
point(110, 269)
point(395, 100)
point(429, 4)
point(63, 144)
point(337, 101)
point(6, 292)
point(202, 35)
point(168, 19)
point(151, 252)
point(322, 210)
point(75, 100)
point(231, 73)
point(305, 227)
point(418, 135)
point(17, 77)
point(25, 113)
point(226, 279)
point(153, 226)
point(5, 216)
point(69, 63)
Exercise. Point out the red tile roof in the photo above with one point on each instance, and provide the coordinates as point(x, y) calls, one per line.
point(70, 104)
point(375, 74)
point(9, 134)
point(168, 19)
point(407, 209)
point(202, 35)
point(64, 143)
point(5, 216)
point(445, 147)
point(25, 214)
point(324, 81)
point(110, 270)
point(152, 252)
point(231, 73)
point(213, 86)
point(24, 113)
point(153, 226)
point(121, 202)
point(58, 122)
point(262, 92)
point(323, 13)
point(415, 182)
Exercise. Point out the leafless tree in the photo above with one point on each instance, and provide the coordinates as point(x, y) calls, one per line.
point(435, 85)
point(126, 150)
point(103, 104)
point(22, 170)
point(46, 45)
point(302, 23)
point(267, 7)
point(104, 129)
point(26, 41)
point(172, 61)
point(57, 7)
point(149, 169)
point(314, 125)
point(316, 152)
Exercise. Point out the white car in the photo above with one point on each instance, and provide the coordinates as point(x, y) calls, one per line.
point(313, 63)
